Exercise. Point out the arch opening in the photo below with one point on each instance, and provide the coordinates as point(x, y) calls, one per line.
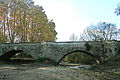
point(16, 56)
point(78, 57)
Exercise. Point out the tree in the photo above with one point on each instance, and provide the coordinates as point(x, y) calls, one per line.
point(2, 37)
point(101, 32)
point(24, 19)
point(117, 10)
point(73, 37)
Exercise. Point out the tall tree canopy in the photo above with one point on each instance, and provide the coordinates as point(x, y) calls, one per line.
point(24, 19)
point(100, 32)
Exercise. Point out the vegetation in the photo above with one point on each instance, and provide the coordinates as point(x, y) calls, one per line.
point(44, 60)
point(21, 56)
point(101, 32)
point(80, 58)
point(41, 59)
point(117, 10)
point(24, 19)
point(2, 37)
point(114, 60)
point(73, 37)
point(110, 70)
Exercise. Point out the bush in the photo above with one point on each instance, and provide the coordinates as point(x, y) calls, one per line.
point(114, 60)
point(79, 58)
point(41, 59)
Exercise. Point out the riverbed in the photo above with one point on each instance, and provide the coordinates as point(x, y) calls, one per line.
point(38, 71)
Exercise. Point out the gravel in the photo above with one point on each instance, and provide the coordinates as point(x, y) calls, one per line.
point(36, 71)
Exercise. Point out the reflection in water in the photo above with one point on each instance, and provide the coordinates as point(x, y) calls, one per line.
point(76, 66)
point(82, 67)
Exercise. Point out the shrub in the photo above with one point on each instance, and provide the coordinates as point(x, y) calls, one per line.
point(41, 59)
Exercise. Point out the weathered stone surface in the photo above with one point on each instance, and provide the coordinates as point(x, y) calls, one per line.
point(57, 50)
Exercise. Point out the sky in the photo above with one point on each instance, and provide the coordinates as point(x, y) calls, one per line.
point(73, 16)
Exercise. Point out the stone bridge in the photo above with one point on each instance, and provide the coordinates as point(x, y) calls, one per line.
point(56, 51)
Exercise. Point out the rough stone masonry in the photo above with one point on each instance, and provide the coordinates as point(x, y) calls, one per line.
point(55, 51)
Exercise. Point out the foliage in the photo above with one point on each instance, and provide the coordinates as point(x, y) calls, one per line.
point(2, 37)
point(101, 32)
point(115, 59)
point(87, 46)
point(23, 18)
point(22, 55)
point(41, 59)
point(117, 10)
point(80, 58)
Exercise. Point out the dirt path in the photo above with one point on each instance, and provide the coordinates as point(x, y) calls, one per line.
point(35, 71)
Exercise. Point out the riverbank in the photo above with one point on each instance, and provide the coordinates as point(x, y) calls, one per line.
point(38, 71)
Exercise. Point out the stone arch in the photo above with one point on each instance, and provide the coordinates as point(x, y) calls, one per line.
point(70, 52)
point(9, 54)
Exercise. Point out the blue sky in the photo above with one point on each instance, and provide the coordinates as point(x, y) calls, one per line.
point(73, 16)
